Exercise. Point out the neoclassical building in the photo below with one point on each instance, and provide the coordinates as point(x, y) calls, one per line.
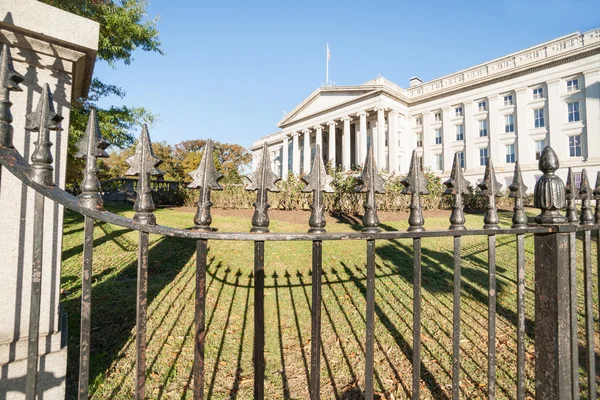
point(508, 109)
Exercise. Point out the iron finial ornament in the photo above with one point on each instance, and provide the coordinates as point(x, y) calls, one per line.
point(517, 191)
point(456, 186)
point(586, 195)
point(90, 147)
point(9, 81)
point(371, 183)
point(205, 178)
point(262, 180)
point(415, 184)
point(43, 120)
point(597, 197)
point(490, 188)
point(571, 194)
point(549, 192)
point(143, 164)
point(317, 181)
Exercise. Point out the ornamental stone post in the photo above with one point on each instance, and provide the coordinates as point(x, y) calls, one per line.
point(54, 47)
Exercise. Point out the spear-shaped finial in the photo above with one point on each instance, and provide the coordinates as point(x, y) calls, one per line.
point(205, 178)
point(490, 188)
point(571, 194)
point(549, 192)
point(262, 180)
point(9, 81)
point(517, 191)
point(317, 181)
point(143, 164)
point(457, 185)
point(586, 195)
point(371, 184)
point(415, 184)
point(43, 120)
point(90, 147)
point(597, 197)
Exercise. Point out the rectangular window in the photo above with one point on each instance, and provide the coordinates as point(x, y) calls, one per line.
point(538, 118)
point(460, 133)
point(510, 153)
point(439, 166)
point(419, 140)
point(483, 156)
point(577, 177)
point(538, 93)
point(483, 128)
point(508, 100)
point(539, 147)
point(575, 146)
point(572, 85)
point(461, 159)
point(482, 106)
point(509, 123)
point(438, 116)
point(418, 121)
point(458, 111)
point(573, 109)
point(420, 162)
point(438, 136)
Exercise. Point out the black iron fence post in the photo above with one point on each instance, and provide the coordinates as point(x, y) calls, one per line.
point(552, 286)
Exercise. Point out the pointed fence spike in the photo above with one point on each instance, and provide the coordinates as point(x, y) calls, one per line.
point(90, 147)
point(456, 186)
point(517, 191)
point(205, 178)
point(549, 193)
point(262, 180)
point(371, 183)
point(9, 81)
point(415, 184)
point(317, 181)
point(143, 164)
point(596, 194)
point(571, 195)
point(43, 120)
point(490, 188)
point(586, 195)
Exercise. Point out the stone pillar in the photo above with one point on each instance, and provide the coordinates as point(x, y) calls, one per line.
point(592, 113)
point(319, 138)
point(306, 166)
point(393, 142)
point(555, 120)
point(357, 159)
point(285, 158)
point(496, 149)
point(364, 135)
point(346, 143)
point(380, 137)
point(471, 160)
point(524, 146)
point(448, 136)
point(50, 46)
point(332, 147)
point(295, 153)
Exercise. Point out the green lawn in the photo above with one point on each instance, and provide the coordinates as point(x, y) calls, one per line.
point(229, 314)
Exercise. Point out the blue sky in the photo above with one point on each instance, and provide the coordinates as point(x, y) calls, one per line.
point(232, 67)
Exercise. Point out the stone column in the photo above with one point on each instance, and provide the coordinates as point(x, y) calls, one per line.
point(306, 166)
point(555, 136)
point(285, 158)
point(346, 143)
point(295, 153)
point(471, 159)
point(319, 138)
point(448, 136)
point(393, 142)
point(50, 46)
point(357, 158)
point(524, 146)
point(427, 135)
point(592, 113)
point(496, 149)
point(332, 147)
point(364, 134)
point(380, 137)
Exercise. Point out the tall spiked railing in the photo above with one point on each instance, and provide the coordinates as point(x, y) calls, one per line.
point(571, 195)
point(9, 82)
point(262, 180)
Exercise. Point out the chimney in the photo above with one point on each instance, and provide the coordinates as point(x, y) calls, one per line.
point(414, 81)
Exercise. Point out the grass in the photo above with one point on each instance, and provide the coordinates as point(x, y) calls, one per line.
point(229, 314)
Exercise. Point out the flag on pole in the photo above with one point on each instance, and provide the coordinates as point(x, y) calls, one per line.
point(328, 53)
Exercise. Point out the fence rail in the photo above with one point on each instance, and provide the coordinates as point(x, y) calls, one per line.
point(556, 344)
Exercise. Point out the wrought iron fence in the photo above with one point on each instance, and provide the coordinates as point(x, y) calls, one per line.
point(556, 330)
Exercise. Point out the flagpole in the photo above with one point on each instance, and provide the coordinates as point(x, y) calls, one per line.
point(327, 72)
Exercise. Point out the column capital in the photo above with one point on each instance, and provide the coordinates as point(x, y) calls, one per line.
point(316, 127)
point(331, 122)
point(294, 134)
point(363, 113)
point(379, 108)
point(306, 131)
point(346, 118)
point(391, 110)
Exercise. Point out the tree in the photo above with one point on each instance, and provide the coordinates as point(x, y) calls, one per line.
point(123, 29)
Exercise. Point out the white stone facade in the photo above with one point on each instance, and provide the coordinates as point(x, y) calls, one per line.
point(507, 109)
